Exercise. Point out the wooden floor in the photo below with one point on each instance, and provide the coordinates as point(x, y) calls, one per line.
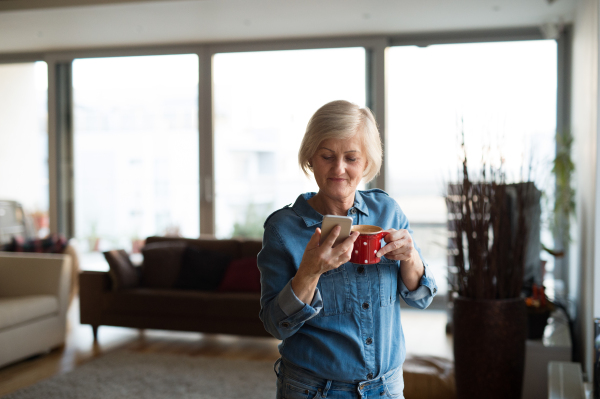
point(424, 333)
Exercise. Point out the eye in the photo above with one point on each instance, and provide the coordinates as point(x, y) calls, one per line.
point(327, 158)
point(351, 159)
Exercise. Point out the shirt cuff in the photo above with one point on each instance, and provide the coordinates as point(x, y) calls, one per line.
point(426, 288)
point(290, 304)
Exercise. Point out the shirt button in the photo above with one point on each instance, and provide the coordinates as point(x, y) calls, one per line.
point(365, 305)
point(361, 269)
point(285, 324)
point(353, 211)
point(370, 376)
point(369, 341)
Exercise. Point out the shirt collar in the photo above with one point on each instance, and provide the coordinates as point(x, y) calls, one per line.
point(359, 203)
point(305, 211)
point(312, 217)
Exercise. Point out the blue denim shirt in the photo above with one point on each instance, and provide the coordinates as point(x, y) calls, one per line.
point(351, 331)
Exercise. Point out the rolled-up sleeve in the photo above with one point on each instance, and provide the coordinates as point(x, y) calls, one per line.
point(423, 295)
point(282, 313)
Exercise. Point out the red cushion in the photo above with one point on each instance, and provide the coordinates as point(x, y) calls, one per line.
point(242, 275)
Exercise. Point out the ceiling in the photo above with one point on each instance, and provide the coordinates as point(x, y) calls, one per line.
point(43, 25)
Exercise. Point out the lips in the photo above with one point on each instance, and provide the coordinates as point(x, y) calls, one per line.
point(338, 180)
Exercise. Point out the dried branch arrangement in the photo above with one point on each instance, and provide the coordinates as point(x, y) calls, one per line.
point(487, 234)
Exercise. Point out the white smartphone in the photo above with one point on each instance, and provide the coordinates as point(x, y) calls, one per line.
point(330, 221)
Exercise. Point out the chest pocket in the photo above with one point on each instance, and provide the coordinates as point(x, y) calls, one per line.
point(388, 281)
point(335, 292)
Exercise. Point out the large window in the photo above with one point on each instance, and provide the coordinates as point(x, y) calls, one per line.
point(24, 145)
point(135, 150)
point(502, 95)
point(263, 101)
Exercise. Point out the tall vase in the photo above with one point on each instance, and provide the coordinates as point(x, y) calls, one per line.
point(489, 347)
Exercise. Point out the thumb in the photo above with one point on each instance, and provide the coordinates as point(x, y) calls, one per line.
point(314, 240)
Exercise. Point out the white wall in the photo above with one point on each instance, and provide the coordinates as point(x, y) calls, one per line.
point(585, 130)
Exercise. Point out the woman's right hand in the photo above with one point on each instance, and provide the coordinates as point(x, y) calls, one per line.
point(318, 259)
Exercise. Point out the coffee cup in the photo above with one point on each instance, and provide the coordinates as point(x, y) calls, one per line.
point(367, 244)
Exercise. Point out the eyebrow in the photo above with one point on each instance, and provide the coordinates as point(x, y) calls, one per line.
point(334, 151)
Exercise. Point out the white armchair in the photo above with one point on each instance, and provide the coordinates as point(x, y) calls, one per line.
point(34, 298)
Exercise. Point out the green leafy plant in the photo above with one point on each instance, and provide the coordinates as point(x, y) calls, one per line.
point(252, 225)
point(564, 198)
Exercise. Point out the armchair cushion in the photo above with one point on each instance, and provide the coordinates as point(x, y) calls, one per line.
point(21, 309)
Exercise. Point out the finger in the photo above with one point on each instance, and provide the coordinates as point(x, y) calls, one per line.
point(402, 252)
point(348, 243)
point(392, 236)
point(335, 232)
point(392, 246)
point(314, 240)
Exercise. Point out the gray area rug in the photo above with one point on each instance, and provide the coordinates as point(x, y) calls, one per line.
point(125, 374)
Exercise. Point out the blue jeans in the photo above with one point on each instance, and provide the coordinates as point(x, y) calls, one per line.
point(296, 383)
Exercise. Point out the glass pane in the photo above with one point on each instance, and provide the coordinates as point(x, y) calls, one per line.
point(136, 151)
point(263, 101)
point(24, 150)
point(503, 94)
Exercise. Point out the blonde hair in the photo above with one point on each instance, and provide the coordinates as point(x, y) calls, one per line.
point(342, 120)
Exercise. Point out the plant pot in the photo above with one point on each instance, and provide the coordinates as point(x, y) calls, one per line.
point(489, 347)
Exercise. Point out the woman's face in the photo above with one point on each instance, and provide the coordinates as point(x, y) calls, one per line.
point(338, 166)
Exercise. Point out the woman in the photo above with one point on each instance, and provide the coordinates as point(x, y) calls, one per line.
point(339, 321)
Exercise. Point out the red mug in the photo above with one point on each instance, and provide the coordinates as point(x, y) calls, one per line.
point(367, 244)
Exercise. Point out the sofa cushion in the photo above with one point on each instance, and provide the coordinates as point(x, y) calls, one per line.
point(162, 264)
point(22, 309)
point(201, 269)
point(242, 275)
point(122, 272)
point(174, 304)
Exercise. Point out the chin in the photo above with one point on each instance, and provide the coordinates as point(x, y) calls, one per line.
point(339, 193)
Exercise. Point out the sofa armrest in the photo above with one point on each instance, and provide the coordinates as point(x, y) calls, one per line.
point(92, 287)
point(36, 274)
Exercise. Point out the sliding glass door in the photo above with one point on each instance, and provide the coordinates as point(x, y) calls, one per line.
point(262, 104)
point(24, 150)
point(135, 150)
point(502, 96)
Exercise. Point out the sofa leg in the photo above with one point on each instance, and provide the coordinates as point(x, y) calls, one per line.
point(95, 332)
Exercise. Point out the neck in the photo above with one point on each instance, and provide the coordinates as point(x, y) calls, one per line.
point(330, 206)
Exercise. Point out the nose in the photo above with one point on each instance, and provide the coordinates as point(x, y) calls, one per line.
point(339, 167)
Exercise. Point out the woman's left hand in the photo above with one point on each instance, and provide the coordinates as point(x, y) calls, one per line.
point(399, 246)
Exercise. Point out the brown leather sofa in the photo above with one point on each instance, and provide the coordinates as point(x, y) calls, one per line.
point(173, 309)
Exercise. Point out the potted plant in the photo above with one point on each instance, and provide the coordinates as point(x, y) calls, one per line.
point(488, 225)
